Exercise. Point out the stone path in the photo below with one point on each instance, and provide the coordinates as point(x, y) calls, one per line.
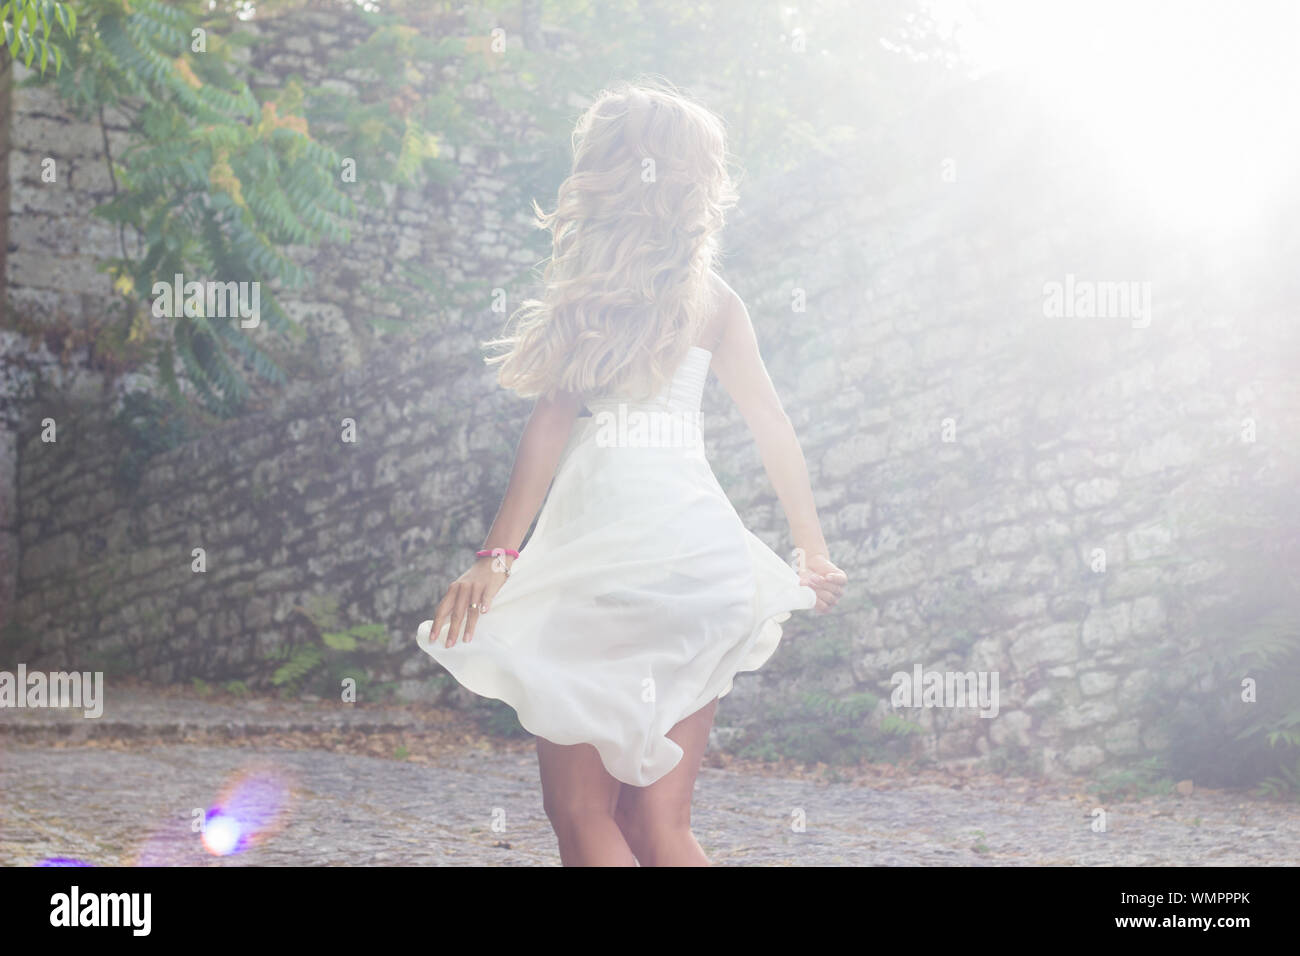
point(63, 797)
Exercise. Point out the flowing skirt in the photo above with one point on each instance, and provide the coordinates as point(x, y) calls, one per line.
point(636, 601)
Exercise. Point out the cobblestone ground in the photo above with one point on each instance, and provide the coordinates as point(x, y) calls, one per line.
point(64, 793)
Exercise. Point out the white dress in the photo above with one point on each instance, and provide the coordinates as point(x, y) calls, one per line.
point(639, 596)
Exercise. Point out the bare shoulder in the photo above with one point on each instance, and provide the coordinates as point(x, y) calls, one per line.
point(738, 363)
point(728, 311)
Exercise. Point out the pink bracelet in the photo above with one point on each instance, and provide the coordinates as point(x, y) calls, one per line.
point(494, 552)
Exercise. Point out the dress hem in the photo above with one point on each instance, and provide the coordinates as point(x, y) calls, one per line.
point(763, 640)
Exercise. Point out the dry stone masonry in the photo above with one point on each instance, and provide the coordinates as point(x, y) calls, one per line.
point(1007, 488)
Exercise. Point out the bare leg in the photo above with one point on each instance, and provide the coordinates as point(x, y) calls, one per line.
point(656, 820)
point(579, 796)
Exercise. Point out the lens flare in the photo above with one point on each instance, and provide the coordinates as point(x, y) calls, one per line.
point(222, 835)
point(251, 809)
point(62, 861)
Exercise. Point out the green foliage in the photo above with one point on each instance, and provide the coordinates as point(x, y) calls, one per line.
point(27, 25)
point(389, 129)
point(354, 637)
point(215, 187)
point(302, 661)
point(331, 654)
point(1285, 785)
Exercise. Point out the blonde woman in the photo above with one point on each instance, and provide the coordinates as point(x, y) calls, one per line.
point(640, 594)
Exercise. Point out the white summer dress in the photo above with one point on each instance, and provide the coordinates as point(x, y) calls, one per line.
point(639, 596)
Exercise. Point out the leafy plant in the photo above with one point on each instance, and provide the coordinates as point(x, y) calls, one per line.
point(220, 186)
point(1285, 785)
point(333, 653)
point(301, 662)
point(27, 25)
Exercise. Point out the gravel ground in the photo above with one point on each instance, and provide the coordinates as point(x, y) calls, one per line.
point(126, 793)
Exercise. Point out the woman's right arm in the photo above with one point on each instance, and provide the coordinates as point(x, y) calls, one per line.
point(739, 366)
point(536, 458)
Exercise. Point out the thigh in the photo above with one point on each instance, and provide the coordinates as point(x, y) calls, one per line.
point(668, 799)
point(573, 778)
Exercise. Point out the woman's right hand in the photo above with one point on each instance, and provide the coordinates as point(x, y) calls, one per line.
point(828, 581)
point(468, 597)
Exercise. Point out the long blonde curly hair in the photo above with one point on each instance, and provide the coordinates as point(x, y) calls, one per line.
point(633, 240)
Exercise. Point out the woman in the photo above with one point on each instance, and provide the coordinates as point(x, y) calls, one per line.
point(640, 594)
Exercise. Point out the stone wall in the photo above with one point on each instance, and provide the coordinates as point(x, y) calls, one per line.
point(8, 424)
point(1055, 534)
point(470, 232)
point(972, 456)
